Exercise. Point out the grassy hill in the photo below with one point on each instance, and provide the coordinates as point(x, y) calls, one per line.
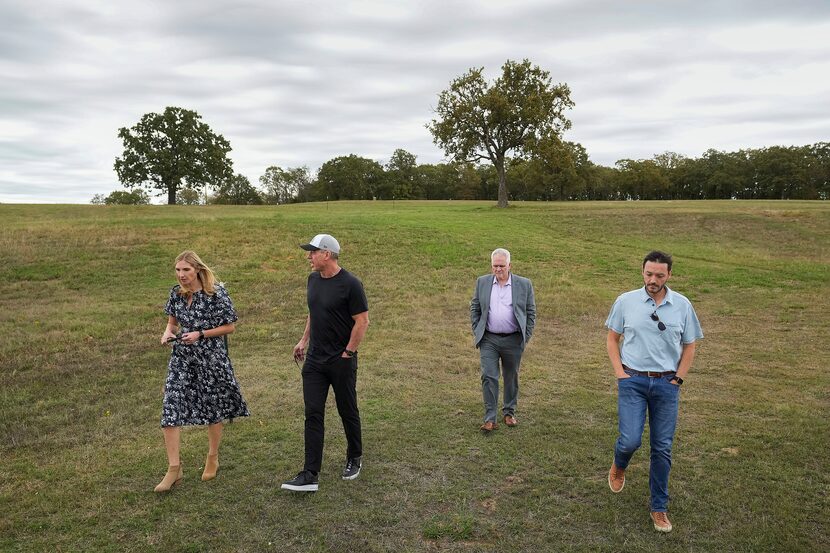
point(83, 289)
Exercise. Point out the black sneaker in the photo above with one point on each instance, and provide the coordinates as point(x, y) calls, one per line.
point(305, 481)
point(352, 469)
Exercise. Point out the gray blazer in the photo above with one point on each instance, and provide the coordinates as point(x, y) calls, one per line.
point(524, 306)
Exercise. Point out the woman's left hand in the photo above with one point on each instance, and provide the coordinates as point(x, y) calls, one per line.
point(190, 338)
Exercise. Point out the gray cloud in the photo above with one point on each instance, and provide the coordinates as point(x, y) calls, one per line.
point(297, 83)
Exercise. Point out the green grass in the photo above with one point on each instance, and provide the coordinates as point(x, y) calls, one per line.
point(80, 383)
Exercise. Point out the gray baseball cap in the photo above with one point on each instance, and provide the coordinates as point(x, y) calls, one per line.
point(325, 242)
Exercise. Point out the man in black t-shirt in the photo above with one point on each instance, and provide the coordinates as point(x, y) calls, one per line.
point(338, 316)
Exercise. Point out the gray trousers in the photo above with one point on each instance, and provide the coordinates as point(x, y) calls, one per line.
point(509, 350)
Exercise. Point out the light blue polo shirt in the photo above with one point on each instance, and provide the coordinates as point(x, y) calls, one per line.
point(645, 347)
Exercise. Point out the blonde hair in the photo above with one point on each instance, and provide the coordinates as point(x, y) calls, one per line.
point(203, 272)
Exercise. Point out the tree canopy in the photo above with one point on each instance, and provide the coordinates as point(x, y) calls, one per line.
point(479, 121)
point(237, 190)
point(349, 178)
point(281, 186)
point(402, 179)
point(171, 150)
point(122, 197)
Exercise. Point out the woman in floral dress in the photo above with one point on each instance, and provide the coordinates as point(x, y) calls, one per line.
point(201, 388)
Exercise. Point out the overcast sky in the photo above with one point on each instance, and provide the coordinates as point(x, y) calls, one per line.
point(294, 83)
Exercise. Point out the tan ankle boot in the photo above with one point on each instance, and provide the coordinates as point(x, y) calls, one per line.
point(173, 476)
point(211, 466)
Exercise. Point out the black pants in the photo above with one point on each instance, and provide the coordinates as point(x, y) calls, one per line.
point(342, 376)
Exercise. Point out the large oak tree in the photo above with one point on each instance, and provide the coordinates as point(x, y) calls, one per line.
point(479, 121)
point(172, 150)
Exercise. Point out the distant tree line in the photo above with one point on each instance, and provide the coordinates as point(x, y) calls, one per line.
point(566, 173)
point(781, 173)
point(478, 125)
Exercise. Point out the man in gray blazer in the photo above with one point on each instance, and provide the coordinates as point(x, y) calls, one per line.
point(503, 314)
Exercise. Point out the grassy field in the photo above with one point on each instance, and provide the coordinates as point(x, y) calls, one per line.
point(81, 375)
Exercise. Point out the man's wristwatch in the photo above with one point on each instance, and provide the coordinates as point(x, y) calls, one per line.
point(678, 380)
point(351, 353)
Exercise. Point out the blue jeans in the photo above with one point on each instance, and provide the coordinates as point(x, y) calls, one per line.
point(659, 397)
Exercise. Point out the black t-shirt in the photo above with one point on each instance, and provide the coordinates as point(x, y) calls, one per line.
point(331, 304)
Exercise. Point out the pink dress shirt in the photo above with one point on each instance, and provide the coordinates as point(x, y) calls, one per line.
point(500, 317)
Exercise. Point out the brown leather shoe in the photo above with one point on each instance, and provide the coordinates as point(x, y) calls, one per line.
point(616, 478)
point(488, 426)
point(661, 521)
point(510, 420)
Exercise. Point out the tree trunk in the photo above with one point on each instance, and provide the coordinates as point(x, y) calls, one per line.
point(502, 183)
point(171, 195)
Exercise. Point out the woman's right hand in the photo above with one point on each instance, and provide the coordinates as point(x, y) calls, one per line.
point(166, 336)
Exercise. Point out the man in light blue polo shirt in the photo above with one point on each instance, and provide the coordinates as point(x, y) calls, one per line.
point(658, 328)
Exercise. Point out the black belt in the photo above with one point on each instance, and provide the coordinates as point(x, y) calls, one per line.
point(503, 334)
point(650, 374)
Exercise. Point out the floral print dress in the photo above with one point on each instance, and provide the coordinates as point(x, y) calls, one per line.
point(201, 388)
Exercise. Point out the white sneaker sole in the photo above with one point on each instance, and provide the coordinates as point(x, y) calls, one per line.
point(662, 528)
point(304, 488)
point(352, 477)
